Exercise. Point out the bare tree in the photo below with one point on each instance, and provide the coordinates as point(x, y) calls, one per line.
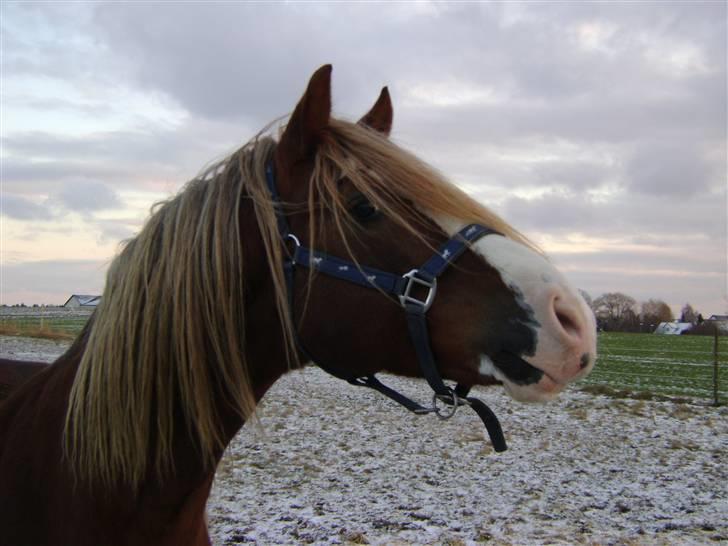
point(613, 309)
point(688, 314)
point(654, 312)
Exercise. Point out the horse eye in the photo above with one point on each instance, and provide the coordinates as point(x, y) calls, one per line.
point(362, 209)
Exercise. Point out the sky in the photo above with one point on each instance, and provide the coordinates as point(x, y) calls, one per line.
point(597, 129)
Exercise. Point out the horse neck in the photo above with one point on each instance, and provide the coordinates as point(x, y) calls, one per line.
point(266, 353)
point(174, 506)
point(190, 480)
point(267, 362)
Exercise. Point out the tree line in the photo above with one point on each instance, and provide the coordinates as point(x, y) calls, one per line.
point(618, 312)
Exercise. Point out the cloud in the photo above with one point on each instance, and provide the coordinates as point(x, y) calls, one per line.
point(21, 208)
point(578, 122)
point(139, 157)
point(54, 280)
point(536, 63)
point(88, 197)
point(115, 231)
point(620, 213)
point(673, 168)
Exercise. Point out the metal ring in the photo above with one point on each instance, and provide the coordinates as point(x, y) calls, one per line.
point(454, 404)
point(291, 251)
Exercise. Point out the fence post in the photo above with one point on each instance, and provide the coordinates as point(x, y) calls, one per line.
point(716, 401)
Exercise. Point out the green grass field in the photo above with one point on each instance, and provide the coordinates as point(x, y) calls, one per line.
point(669, 365)
point(43, 326)
point(680, 366)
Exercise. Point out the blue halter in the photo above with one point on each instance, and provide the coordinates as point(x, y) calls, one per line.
point(400, 286)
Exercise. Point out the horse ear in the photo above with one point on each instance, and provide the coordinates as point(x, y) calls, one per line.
point(380, 116)
point(310, 117)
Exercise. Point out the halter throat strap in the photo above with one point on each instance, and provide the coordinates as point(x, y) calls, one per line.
point(402, 287)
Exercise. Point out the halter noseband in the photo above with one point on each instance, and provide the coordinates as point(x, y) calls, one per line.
point(402, 287)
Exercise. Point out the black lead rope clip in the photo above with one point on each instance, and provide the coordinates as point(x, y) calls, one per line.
point(457, 397)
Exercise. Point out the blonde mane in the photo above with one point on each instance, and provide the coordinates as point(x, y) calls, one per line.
point(393, 179)
point(169, 333)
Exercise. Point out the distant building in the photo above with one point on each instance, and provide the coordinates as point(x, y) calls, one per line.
point(720, 321)
point(674, 328)
point(78, 300)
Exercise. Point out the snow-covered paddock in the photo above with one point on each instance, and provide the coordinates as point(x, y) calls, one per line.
point(331, 463)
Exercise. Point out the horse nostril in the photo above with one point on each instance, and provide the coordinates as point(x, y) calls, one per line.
point(584, 362)
point(567, 323)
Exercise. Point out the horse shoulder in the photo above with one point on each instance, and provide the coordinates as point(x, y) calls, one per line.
point(31, 420)
point(32, 467)
point(13, 373)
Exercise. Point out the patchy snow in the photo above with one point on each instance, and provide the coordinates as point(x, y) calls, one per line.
point(335, 464)
point(35, 349)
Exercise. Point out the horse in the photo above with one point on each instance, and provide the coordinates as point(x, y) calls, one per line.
point(13, 373)
point(303, 246)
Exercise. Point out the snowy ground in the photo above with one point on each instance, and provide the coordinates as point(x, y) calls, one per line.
point(332, 464)
point(24, 348)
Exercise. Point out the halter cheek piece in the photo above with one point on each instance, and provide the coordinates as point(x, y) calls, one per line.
point(401, 286)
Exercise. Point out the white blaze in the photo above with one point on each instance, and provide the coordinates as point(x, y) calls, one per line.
point(548, 294)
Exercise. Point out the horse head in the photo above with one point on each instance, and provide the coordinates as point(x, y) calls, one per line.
point(502, 312)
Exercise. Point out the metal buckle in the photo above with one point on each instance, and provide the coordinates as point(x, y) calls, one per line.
point(413, 279)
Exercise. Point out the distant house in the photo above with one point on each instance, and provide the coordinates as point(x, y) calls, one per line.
point(674, 328)
point(78, 300)
point(720, 321)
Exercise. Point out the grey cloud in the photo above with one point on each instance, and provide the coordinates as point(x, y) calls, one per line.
point(21, 208)
point(40, 161)
point(550, 212)
point(251, 61)
point(146, 147)
point(61, 179)
point(24, 176)
point(622, 214)
point(51, 40)
point(246, 62)
point(702, 292)
point(57, 278)
point(575, 175)
point(598, 118)
point(675, 168)
point(619, 144)
point(86, 197)
point(115, 231)
point(653, 258)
